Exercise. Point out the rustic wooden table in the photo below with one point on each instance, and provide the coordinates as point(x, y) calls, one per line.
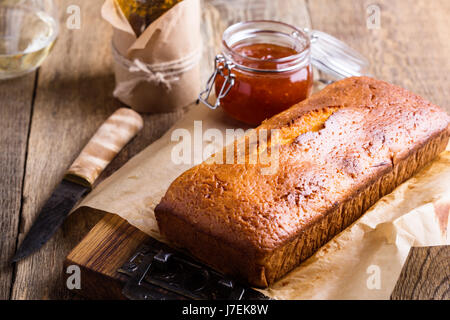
point(47, 117)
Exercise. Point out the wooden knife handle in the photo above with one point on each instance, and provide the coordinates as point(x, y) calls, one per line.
point(106, 143)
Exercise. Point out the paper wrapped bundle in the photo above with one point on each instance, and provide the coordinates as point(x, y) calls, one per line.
point(156, 47)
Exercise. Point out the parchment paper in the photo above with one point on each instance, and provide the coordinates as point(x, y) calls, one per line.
point(362, 262)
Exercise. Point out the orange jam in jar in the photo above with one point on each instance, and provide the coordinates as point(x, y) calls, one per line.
point(265, 69)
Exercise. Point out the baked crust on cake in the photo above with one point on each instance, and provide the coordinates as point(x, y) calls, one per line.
point(339, 152)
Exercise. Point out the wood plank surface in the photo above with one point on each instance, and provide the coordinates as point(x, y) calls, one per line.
point(425, 275)
point(101, 253)
point(410, 48)
point(73, 97)
point(15, 109)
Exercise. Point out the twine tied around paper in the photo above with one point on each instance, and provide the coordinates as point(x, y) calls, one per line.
point(164, 73)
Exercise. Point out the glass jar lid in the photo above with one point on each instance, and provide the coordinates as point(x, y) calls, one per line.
point(328, 54)
point(266, 32)
point(334, 57)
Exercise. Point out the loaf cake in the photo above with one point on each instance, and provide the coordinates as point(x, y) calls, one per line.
point(339, 152)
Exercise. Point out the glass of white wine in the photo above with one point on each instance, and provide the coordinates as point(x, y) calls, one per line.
point(28, 30)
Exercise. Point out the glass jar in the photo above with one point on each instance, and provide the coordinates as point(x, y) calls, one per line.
point(270, 66)
point(28, 30)
point(266, 67)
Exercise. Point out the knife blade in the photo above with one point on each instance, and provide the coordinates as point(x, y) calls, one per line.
point(106, 143)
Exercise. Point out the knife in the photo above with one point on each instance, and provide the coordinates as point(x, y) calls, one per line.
point(79, 179)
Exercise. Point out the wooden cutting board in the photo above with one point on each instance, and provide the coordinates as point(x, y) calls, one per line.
point(101, 253)
point(113, 241)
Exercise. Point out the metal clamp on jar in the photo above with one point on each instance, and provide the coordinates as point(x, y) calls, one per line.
point(266, 67)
